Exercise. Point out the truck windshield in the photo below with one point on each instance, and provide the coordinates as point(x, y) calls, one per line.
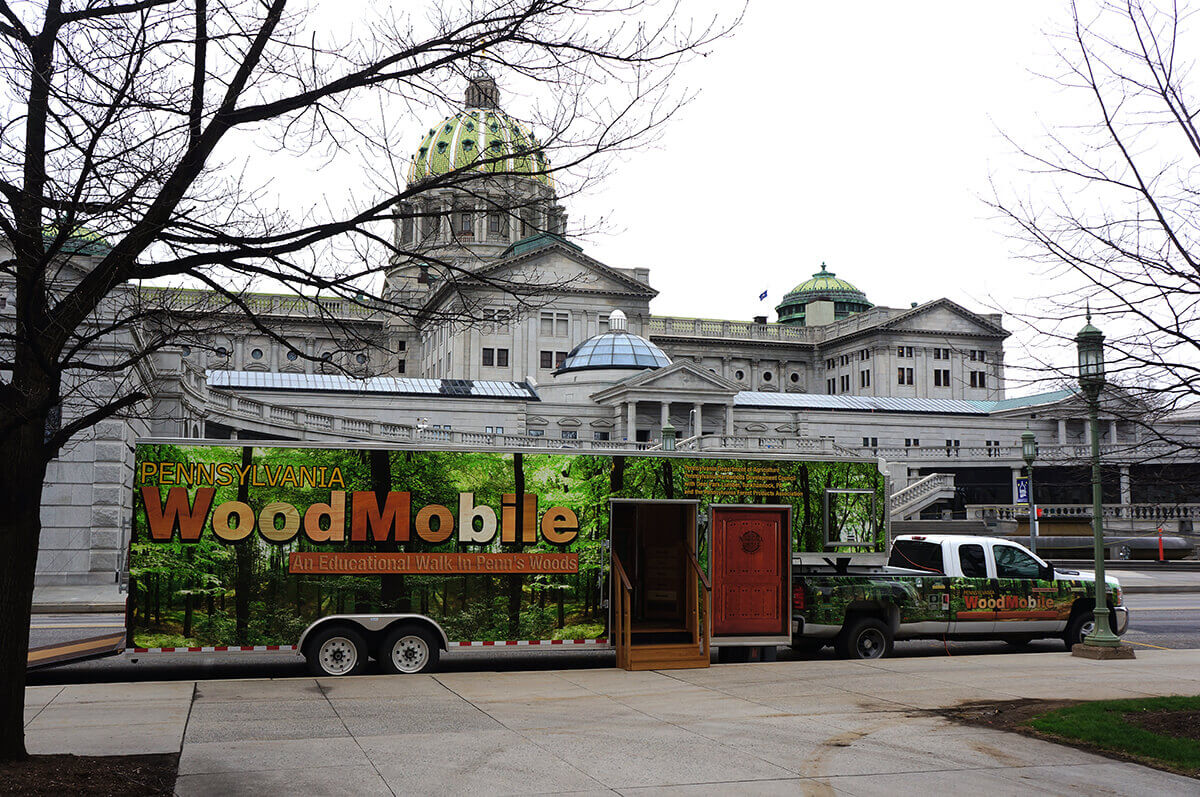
point(917, 555)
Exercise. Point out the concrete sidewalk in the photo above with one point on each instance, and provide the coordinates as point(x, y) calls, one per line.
point(1135, 582)
point(78, 599)
point(820, 727)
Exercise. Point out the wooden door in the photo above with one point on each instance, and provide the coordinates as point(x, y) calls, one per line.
point(751, 557)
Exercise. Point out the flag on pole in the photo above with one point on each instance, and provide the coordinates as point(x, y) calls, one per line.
point(762, 296)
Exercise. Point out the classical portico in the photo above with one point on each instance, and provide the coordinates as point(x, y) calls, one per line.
point(687, 397)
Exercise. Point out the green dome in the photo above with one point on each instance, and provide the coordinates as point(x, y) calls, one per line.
point(479, 134)
point(79, 241)
point(824, 286)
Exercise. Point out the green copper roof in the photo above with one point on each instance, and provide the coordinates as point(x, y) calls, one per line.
point(81, 241)
point(822, 283)
point(483, 139)
point(538, 241)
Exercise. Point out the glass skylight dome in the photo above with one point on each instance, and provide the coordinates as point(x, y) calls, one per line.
point(616, 349)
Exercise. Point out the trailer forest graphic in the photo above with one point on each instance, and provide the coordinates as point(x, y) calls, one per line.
point(248, 545)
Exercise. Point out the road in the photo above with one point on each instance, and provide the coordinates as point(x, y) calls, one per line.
point(1156, 621)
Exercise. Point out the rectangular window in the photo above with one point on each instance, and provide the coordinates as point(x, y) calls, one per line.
point(941, 377)
point(400, 367)
point(904, 351)
point(846, 383)
point(599, 435)
point(466, 222)
point(487, 430)
point(951, 448)
point(937, 354)
point(497, 225)
point(870, 442)
point(560, 357)
point(546, 359)
point(401, 345)
point(406, 229)
point(904, 376)
point(603, 324)
point(429, 226)
point(502, 358)
point(865, 354)
point(831, 386)
point(489, 356)
point(978, 379)
point(555, 324)
point(993, 447)
point(570, 434)
point(864, 378)
point(978, 355)
point(536, 432)
point(912, 442)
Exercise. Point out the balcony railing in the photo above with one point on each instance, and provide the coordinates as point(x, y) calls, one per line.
point(741, 330)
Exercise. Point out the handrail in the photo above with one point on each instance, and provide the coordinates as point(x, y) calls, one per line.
point(621, 572)
point(695, 563)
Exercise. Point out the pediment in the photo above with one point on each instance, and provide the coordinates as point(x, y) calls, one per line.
point(944, 316)
point(755, 427)
point(572, 422)
point(601, 423)
point(536, 420)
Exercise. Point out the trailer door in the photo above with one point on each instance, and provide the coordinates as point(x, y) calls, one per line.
point(752, 575)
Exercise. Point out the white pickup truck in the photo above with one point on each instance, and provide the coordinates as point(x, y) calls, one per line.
point(945, 587)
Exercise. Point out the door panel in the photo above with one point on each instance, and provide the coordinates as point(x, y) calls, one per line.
point(973, 606)
point(751, 557)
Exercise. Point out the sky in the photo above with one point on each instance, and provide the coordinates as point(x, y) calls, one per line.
point(866, 136)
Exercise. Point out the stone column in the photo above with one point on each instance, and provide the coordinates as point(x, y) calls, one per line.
point(631, 421)
point(729, 419)
point(698, 407)
point(1126, 486)
point(1062, 431)
point(665, 407)
point(1112, 431)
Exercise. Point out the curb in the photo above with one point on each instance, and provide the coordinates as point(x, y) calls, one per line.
point(1150, 589)
point(79, 608)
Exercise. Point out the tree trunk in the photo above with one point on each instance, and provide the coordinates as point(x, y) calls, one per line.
point(187, 613)
point(392, 592)
point(22, 474)
point(562, 612)
point(244, 554)
point(514, 581)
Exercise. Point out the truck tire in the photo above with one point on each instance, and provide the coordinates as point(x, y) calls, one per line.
point(336, 651)
point(865, 638)
point(408, 649)
point(1082, 624)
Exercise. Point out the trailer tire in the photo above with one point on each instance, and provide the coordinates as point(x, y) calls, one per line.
point(865, 638)
point(407, 649)
point(336, 651)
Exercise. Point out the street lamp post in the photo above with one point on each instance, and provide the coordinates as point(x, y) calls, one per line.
point(1090, 343)
point(1029, 452)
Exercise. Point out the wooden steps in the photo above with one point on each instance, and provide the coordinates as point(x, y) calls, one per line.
point(675, 656)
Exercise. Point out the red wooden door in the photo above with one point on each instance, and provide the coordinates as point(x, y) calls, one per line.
point(751, 552)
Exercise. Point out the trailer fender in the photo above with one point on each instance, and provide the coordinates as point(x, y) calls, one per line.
point(375, 625)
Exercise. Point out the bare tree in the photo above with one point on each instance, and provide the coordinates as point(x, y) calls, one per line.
point(130, 121)
point(1111, 211)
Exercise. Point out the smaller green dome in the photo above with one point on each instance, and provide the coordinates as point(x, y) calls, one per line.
point(824, 286)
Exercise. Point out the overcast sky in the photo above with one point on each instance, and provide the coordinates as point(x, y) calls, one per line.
point(863, 135)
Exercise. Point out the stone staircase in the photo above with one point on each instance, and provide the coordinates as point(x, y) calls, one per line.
point(912, 499)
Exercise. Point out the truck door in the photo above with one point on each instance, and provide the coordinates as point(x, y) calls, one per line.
point(1025, 603)
point(973, 603)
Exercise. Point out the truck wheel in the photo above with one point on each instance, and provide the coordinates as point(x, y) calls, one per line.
point(866, 638)
point(1083, 624)
point(1080, 626)
point(336, 651)
point(408, 649)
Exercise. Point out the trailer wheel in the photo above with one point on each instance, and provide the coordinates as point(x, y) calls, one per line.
point(408, 649)
point(336, 651)
point(865, 638)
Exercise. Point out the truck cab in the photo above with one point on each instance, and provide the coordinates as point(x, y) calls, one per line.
point(949, 587)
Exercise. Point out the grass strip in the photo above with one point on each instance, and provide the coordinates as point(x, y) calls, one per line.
point(1103, 724)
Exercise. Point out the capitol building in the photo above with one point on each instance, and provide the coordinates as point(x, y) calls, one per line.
point(574, 357)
